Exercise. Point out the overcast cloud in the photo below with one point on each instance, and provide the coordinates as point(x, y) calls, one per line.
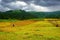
point(30, 5)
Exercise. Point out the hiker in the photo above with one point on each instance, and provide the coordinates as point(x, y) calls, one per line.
point(57, 25)
point(13, 25)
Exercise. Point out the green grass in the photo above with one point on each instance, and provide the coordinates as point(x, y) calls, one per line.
point(43, 33)
point(40, 30)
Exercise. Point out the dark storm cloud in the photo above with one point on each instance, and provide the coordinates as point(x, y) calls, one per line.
point(7, 1)
point(29, 4)
point(44, 2)
point(12, 4)
point(37, 2)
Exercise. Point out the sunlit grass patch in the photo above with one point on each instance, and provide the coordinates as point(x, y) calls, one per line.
point(32, 30)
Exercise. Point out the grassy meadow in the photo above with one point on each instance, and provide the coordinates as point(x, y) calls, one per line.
point(47, 29)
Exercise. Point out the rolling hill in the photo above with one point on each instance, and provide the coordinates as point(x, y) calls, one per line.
point(21, 14)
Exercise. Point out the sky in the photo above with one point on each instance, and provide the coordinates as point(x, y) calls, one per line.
point(30, 5)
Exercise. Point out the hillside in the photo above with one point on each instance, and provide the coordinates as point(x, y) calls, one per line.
point(23, 15)
point(55, 14)
point(29, 30)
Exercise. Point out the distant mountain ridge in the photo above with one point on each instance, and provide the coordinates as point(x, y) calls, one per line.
point(55, 14)
point(21, 14)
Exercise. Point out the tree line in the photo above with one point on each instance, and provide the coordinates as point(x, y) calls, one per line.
point(21, 14)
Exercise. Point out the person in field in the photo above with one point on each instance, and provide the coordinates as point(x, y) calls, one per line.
point(57, 25)
point(13, 25)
